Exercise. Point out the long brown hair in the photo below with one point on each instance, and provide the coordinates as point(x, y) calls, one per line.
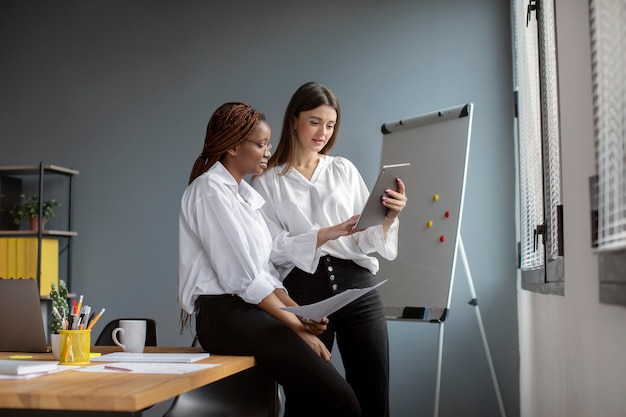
point(309, 96)
point(229, 125)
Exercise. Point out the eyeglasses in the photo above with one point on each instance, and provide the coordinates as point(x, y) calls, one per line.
point(264, 146)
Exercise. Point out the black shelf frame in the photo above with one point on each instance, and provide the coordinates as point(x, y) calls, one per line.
point(42, 170)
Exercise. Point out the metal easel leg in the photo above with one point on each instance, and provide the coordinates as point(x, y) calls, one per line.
point(439, 362)
point(474, 302)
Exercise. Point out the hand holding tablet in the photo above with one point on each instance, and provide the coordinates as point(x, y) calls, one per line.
point(374, 212)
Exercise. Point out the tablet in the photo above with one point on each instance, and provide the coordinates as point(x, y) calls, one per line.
point(374, 212)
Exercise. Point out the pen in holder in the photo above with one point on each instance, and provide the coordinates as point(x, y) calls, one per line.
point(75, 347)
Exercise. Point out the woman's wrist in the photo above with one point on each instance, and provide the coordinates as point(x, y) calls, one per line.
point(322, 236)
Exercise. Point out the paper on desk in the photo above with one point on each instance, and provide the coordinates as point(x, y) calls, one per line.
point(151, 357)
point(148, 368)
point(317, 311)
point(60, 368)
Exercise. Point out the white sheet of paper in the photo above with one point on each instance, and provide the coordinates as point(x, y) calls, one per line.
point(151, 357)
point(317, 311)
point(148, 368)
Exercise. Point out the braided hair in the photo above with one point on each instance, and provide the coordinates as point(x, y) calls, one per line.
point(229, 125)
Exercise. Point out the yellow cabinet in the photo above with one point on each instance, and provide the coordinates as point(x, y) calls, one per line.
point(18, 259)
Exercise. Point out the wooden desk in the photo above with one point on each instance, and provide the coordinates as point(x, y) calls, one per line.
point(123, 393)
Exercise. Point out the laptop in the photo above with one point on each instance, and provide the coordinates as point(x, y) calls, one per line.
point(21, 320)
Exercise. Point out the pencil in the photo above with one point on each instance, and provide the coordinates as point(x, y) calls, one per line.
point(117, 368)
point(95, 319)
point(80, 305)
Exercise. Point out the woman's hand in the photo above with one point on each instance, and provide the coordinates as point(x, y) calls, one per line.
point(333, 232)
point(395, 201)
point(314, 327)
point(279, 298)
point(316, 344)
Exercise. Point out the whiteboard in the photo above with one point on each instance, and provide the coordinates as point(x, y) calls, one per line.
point(437, 146)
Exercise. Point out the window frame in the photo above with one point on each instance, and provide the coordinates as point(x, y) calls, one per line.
point(545, 274)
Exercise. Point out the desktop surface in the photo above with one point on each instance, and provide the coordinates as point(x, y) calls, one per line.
point(124, 392)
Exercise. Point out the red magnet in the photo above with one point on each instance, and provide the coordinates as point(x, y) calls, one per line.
point(447, 214)
point(442, 238)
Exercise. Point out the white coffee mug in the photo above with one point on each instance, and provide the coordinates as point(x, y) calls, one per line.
point(133, 334)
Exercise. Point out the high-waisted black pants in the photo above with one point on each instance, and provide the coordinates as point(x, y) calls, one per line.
point(227, 325)
point(360, 327)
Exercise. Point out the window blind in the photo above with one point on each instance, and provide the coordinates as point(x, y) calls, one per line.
point(529, 126)
point(608, 41)
point(539, 135)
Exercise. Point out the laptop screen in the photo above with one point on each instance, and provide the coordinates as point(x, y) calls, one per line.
point(21, 320)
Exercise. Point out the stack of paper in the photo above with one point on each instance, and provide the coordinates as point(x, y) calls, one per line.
point(26, 367)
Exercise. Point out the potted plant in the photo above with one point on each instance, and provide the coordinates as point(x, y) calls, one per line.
point(28, 209)
point(60, 310)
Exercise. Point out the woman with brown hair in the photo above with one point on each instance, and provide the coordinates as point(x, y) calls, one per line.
point(228, 281)
point(311, 200)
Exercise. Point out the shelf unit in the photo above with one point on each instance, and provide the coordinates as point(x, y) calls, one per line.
point(44, 171)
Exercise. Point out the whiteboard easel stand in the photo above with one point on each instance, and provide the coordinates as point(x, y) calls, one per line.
point(473, 302)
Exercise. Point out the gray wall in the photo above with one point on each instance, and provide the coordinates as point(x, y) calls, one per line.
point(122, 91)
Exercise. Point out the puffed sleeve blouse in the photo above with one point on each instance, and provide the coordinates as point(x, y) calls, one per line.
point(297, 208)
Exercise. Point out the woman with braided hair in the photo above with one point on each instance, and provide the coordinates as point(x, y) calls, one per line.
point(228, 281)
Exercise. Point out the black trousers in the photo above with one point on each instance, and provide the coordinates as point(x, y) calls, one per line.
point(360, 327)
point(227, 325)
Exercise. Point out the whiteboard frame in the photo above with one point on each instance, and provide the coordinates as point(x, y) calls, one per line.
point(428, 310)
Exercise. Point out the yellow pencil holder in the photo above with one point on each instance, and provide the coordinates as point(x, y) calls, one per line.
point(75, 347)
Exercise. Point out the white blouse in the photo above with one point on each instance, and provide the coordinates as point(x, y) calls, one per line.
point(224, 243)
point(297, 208)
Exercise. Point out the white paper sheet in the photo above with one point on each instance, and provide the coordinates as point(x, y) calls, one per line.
point(151, 357)
point(147, 368)
point(317, 311)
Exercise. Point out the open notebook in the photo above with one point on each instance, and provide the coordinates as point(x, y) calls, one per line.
point(21, 320)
